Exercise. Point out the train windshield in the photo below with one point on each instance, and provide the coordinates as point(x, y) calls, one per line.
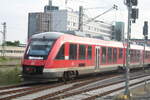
point(39, 47)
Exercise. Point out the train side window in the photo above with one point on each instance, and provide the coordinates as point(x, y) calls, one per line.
point(146, 55)
point(89, 52)
point(138, 56)
point(81, 51)
point(109, 55)
point(73, 51)
point(131, 55)
point(115, 55)
point(103, 55)
point(60, 54)
point(120, 53)
point(135, 53)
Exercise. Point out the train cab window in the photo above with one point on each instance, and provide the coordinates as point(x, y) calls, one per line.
point(89, 52)
point(60, 54)
point(103, 55)
point(114, 55)
point(73, 51)
point(39, 48)
point(81, 51)
point(120, 53)
point(109, 55)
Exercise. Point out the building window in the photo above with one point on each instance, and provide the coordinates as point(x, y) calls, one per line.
point(74, 24)
point(89, 52)
point(73, 51)
point(68, 23)
point(89, 28)
point(60, 54)
point(82, 52)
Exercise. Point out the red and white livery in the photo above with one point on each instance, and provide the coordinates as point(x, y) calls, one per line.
point(57, 55)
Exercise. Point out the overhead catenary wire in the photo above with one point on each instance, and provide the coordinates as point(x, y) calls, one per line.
point(90, 20)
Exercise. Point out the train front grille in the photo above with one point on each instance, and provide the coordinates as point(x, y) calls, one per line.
point(33, 69)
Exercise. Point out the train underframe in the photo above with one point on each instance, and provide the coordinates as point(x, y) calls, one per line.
point(48, 74)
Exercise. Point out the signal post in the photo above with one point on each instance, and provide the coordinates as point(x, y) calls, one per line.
point(132, 16)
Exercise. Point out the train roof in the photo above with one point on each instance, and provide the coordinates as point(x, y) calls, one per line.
point(72, 38)
point(47, 35)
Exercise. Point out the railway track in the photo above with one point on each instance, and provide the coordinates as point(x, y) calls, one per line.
point(18, 92)
point(84, 88)
point(90, 91)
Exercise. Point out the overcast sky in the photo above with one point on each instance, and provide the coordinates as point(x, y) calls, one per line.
point(15, 14)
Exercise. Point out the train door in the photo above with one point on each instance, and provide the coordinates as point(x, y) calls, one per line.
point(97, 57)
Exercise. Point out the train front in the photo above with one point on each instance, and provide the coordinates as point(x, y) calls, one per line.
point(36, 55)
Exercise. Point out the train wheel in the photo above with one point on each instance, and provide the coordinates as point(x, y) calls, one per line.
point(65, 77)
point(77, 73)
point(69, 75)
point(121, 69)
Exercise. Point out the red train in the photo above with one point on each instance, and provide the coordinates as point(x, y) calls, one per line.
point(59, 55)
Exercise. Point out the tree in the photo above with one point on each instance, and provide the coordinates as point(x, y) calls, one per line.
point(10, 43)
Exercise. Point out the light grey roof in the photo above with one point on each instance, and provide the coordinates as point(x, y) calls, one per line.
point(47, 35)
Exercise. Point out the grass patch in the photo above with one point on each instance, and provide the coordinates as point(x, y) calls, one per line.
point(3, 59)
point(10, 61)
point(10, 76)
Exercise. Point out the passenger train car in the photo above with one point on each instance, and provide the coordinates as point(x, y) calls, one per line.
point(59, 55)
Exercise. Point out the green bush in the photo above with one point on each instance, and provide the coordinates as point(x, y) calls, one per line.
point(9, 77)
point(2, 59)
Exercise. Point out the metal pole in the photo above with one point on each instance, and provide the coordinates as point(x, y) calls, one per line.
point(145, 33)
point(145, 42)
point(144, 53)
point(48, 22)
point(4, 39)
point(80, 27)
point(127, 91)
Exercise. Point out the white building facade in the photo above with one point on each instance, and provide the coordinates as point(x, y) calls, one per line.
point(63, 20)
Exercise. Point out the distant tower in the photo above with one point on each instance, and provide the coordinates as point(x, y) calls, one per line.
point(118, 33)
point(50, 7)
point(80, 27)
point(50, 2)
